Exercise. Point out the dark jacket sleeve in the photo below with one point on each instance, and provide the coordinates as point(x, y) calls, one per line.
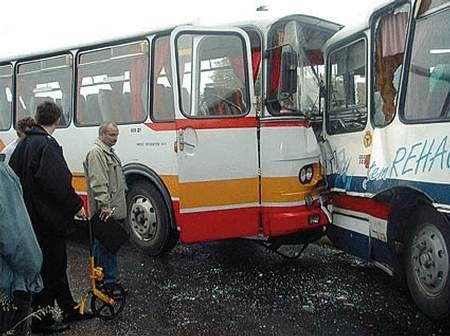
point(54, 178)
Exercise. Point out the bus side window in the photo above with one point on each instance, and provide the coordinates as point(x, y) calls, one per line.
point(428, 78)
point(5, 96)
point(114, 81)
point(347, 107)
point(439, 93)
point(389, 51)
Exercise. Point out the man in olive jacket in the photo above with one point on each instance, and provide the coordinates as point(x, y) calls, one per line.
point(106, 191)
point(52, 203)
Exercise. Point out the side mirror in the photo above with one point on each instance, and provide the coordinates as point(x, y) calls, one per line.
point(289, 61)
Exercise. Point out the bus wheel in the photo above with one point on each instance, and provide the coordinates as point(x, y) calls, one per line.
point(148, 218)
point(427, 263)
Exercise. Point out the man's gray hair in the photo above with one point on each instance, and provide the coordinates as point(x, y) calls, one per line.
point(104, 126)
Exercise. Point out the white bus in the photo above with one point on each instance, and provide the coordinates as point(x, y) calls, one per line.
point(386, 145)
point(215, 138)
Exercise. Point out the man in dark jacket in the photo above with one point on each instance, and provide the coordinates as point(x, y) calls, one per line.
point(51, 203)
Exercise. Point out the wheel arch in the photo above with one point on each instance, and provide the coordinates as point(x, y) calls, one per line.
point(136, 171)
point(403, 202)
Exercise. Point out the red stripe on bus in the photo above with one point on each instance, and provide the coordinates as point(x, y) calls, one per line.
point(365, 205)
point(292, 123)
point(279, 221)
point(215, 225)
point(204, 124)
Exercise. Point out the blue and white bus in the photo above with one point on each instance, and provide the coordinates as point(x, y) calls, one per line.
point(385, 142)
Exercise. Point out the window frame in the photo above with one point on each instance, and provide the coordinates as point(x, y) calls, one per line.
point(152, 81)
point(11, 108)
point(197, 82)
point(347, 42)
point(407, 64)
point(90, 49)
point(36, 58)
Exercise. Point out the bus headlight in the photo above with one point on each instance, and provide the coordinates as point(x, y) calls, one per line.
point(306, 174)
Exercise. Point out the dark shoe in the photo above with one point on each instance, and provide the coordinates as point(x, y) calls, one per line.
point(50, 329)
point(75, 315)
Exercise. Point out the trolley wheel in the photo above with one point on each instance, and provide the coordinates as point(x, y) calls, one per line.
point(427, 263)
point(148, 218)
point(104, 310)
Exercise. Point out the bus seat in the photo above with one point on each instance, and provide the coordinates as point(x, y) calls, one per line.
point(92, 114)
point(438, 99)
point(186, 101)
point(126, 107)
point(5, 114)
point(168, 100)
point(105, 104)
point(160, 107)
point(81, 106)
point(238, 106)
point(215, 105)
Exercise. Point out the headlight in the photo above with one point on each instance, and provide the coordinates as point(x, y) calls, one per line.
point(306, 174)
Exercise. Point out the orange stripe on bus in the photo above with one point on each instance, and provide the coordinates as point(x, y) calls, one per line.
point(171, 182)
point(218, 193)
point(285, 189)
point(2, 145)
point(79, 182)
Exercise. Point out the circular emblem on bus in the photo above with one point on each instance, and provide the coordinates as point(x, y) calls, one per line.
point(367, 140)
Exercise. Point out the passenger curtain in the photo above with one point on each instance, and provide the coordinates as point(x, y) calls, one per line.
point(256, 62)
point(137, 76)
point(275, 64)
point(393, 33)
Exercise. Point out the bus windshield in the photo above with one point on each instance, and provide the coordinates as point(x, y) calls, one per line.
point(295, 68)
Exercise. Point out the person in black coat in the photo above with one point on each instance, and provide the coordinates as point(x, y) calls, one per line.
point(52, 204)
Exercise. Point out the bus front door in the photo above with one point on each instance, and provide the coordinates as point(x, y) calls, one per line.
point(217, 151)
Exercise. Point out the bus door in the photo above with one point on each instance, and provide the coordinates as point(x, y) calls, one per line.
point(217, 149)
point(347, 142)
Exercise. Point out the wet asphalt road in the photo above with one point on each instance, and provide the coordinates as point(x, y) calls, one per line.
point(238, 288)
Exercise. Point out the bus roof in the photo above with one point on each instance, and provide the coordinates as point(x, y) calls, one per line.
point(361, 25)
point(13, 57)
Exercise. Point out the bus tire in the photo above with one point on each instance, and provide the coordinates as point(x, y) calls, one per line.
point(148, 218)
point(427, 263)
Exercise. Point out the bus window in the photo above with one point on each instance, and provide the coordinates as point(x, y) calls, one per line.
point(41, 80)
point(389, 51)
point(347, 89)
point(220, 86)
point(162, 96)
point(428, 91)
point(427, 5)
point(112, 84)
point(5, 96)
point(306, 41)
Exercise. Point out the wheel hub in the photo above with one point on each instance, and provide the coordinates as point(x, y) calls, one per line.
point(430, 259)
point(143, 218)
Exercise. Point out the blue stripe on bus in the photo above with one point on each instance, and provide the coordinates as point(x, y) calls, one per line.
point(348, 241)
point(357, 244)
point(438, 192)
point(380, 252)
